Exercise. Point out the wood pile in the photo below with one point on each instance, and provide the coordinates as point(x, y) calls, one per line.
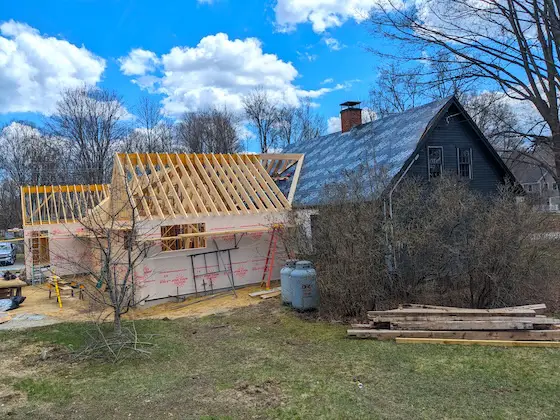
point(525, 323)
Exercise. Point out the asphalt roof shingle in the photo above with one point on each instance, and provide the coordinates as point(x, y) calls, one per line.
point(387, 142)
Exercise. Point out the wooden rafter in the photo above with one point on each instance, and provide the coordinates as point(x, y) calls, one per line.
point(162, 185)
point(49, 204)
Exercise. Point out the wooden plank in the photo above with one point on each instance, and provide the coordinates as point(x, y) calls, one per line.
point(264, 185)
point(464, 312)
point(251, 175)
point(539, 308)
point(185, 177)
point(423, 306)
point(462, 325)
point(162, 192)
point(250, 197)
point(220, 185)
point(180, 184)
point(295, 180)
point(541, 335)
point(151, 191)
point(494, 343)
point(197, 181)
point(264, 292)
point(138, 186)
point(176, 198)
point(228, 184)
point(272, 184)
point(358, 326)
point(438, 318)
point(217, 200)
point(248, 181)
point(271, 295)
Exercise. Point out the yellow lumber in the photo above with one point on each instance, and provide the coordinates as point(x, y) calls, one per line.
point(497, 343)
point(61, 188)
point(367, 332)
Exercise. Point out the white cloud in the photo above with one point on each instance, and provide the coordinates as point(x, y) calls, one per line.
point(322, 91)
point(307, 56)
point(218, 72)
point(324, 14)
point(138, 62)
point(35, 68)
point(327, 81)
point(205, 1)
point(333, 44)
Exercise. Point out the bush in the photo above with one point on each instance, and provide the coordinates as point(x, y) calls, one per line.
point(443, 245)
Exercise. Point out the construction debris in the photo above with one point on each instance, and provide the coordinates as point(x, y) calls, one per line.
point(497, 343)
point(267, 294)
point(429, 323)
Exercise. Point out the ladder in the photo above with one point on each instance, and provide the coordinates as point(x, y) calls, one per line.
point(37, 276)
point(269, 264)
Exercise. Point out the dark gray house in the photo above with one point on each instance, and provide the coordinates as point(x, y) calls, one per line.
point(423, 142)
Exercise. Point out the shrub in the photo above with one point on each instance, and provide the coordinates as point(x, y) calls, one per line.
point(443, 245)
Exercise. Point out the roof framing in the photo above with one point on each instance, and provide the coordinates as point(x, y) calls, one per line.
point(49, 204)
point(170, 185)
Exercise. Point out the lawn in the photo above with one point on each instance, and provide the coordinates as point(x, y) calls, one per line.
point(265, 362)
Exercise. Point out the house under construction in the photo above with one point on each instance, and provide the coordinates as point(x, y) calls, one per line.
point(209, 221)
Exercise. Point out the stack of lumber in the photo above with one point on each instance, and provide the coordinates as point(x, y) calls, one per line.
point(267, 294)
point(525, 323)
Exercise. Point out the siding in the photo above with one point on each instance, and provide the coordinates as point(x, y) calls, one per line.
point(457, 133)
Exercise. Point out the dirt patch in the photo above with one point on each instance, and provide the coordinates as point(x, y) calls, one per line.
point(10, 400)
point(258, 396)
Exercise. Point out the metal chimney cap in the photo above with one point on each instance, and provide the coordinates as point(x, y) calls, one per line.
point(350, 103)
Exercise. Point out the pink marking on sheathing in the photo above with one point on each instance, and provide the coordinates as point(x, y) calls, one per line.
point(173, 271)
point(241, 272)
point(179, 281)
point(222, 228)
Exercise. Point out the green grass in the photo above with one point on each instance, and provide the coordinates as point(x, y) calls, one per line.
point(265, 362)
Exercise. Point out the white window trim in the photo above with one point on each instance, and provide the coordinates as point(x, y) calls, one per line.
point(428, 159)
point(459, 162)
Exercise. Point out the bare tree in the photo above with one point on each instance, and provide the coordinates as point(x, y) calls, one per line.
point(91, 119)
point(396, 90)
point(209, 131)
point(27, 157)
point(309, 124)
point(496, 118)
point(262, 112)
point(153, 132)
point(510, 45)
point(295, 124)
point(285, 129)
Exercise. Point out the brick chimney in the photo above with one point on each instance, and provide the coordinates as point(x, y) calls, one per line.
point(350, 115)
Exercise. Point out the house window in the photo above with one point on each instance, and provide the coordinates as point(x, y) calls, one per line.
point(554, 186)
point(175, 242)
point(464, 163)
point(545, 186)
point(40, 251)
point(529, 187)
point(435, 161)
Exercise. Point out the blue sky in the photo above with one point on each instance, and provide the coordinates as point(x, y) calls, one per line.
point(280, 42)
